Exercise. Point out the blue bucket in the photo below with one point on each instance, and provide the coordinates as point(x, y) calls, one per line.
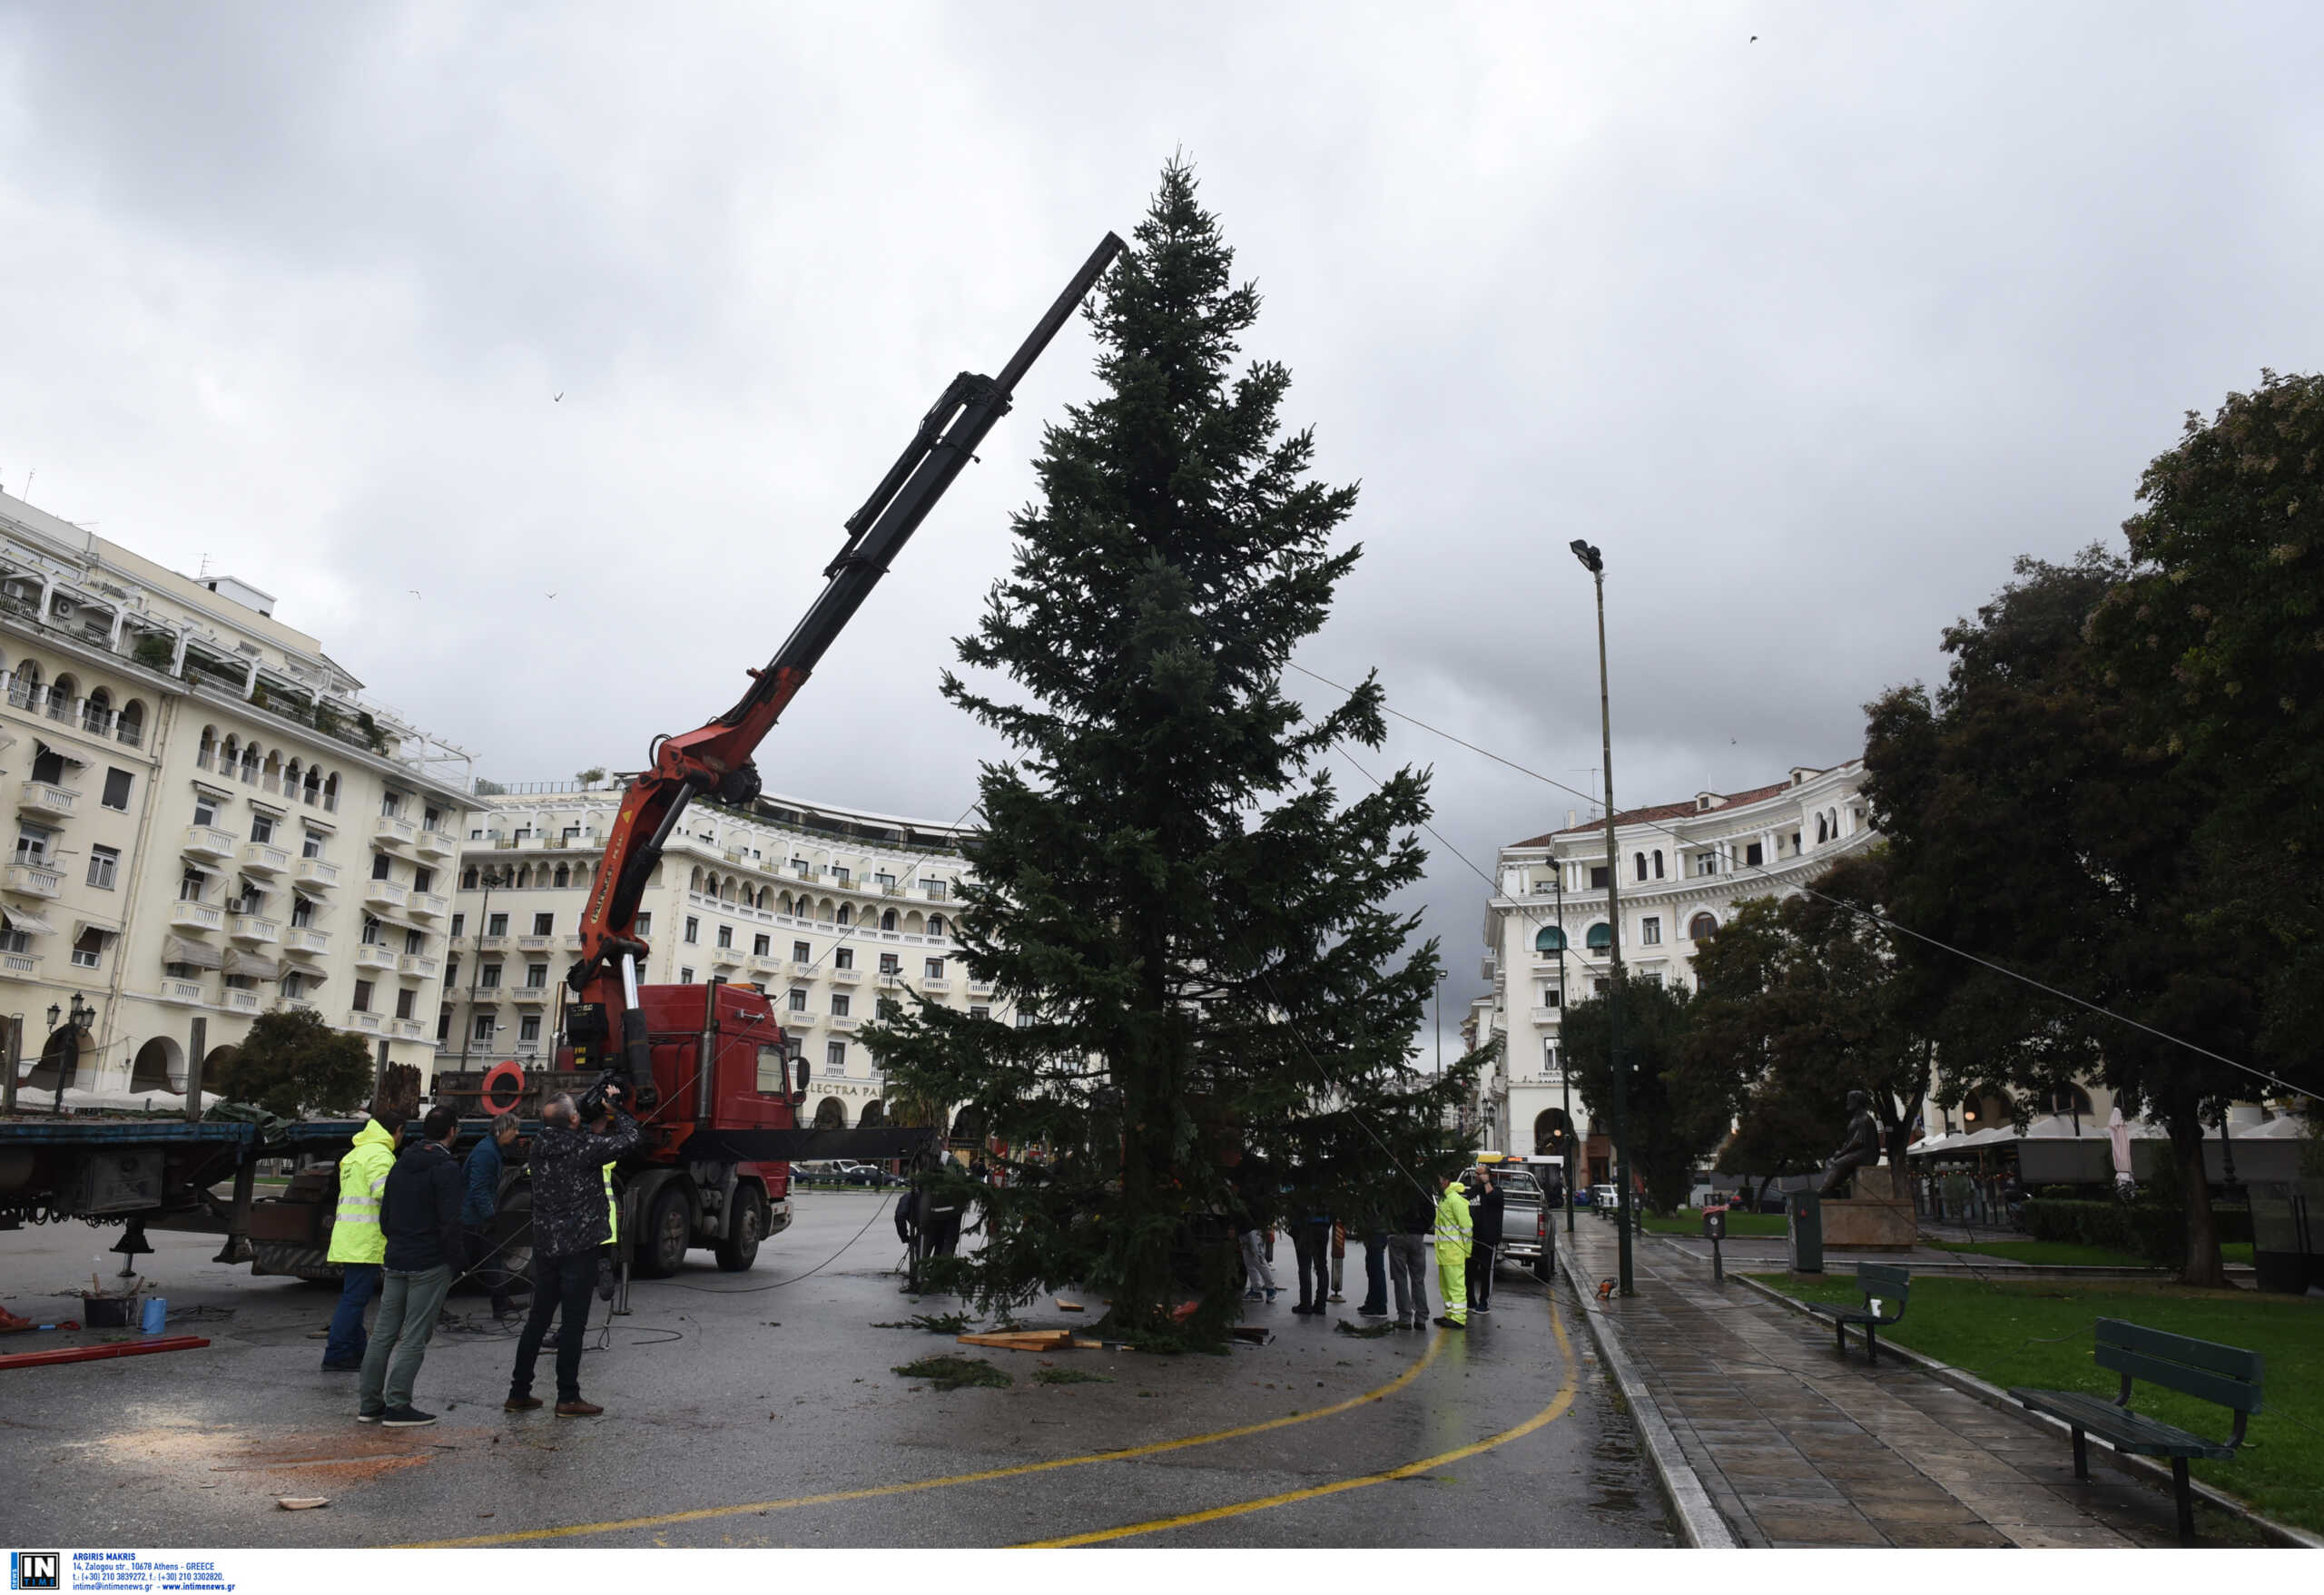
point(157, 1315)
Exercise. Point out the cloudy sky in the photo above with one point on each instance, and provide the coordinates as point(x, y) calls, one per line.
point(1811, 334)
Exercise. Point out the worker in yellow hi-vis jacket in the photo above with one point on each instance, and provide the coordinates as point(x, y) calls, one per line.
point(1452, 1239)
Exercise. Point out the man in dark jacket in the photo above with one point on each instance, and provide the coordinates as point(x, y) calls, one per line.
point(1485, 1214)
point(570, 1222)
point(482, 1204)
point(419, 1214)
point(1408, 1260)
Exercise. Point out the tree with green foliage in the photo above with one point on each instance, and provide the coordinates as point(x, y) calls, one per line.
point(1676, 1113)
point(1208, 1008)
point(293, 1064)
point(2216, 633)
point(2024, 827)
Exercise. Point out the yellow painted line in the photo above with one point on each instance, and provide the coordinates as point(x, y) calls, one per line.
point(1547, 1414)
point(872, 1493)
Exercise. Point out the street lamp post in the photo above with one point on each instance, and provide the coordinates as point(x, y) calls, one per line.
point(1565, 1076)
point(1595, 564)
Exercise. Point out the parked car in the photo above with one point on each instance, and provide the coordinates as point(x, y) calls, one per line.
point(1604, 1196)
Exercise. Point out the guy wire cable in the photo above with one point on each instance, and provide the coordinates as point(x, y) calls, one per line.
point(1858, 909)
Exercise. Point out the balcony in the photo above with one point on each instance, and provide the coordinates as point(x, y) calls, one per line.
point(795, 1018)
point(263, 858)
point(1548, 1016)
point(34, 880)
point(369, 1024)
point(208, 843)
point(185, 914)
point(386, 895)
point(526, 1045)
point(843, 1023)
point(301, 941)
point(541, 943)
point(240, 1002)
point(188, 992)
point(495, 943)
point(725, 958)
point(531, 996)
point(436, 844)
point(254, 930)
point(800, 968)
point(47, 799)
point(21, 963)
point(847, 976)
point(935, 982)
point(300, 1005)
point(429, 905)
point(409, 1030)
point(762, 965)
point(394, 831)
point(370, 955)
point(980, 987)
point(316, 874)
point(419, 966)
point(570, 942)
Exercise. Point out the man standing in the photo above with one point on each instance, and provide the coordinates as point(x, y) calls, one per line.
point(1310, 1241)
point(1408, 1262)
point(356, 1243)
point(419, 1214)
point(1487, 1217)
point(1453, 1236)
point(570, 1221)
point(1375, 1268)
point(482, 1204)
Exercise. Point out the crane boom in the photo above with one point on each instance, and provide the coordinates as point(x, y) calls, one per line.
point(716, 758)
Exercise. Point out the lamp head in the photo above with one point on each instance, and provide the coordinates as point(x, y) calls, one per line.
point(1591, 560)
point(54, 1014)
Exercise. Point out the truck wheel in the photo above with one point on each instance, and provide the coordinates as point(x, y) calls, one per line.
point(1543, 1269)
point(669, 1230)
point(740, 1250)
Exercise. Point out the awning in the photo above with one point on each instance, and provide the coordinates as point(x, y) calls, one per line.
point(310, 978)
point(30, 924)
point(177, 950)
point(239, 962)
point(67, 754)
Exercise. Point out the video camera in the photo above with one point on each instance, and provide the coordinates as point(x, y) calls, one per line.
point(614, 1088)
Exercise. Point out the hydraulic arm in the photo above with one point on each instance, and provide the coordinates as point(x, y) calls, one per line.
point(716, 758)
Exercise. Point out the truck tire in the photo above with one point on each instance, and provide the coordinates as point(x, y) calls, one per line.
point(740, 1250)
point(669, 1231)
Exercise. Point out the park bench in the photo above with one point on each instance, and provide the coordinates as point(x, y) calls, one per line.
point(1884, 1287)
point(2225, 1375)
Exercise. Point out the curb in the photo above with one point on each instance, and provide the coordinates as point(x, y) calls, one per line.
point(1699, 1524)
point(1994, 1396)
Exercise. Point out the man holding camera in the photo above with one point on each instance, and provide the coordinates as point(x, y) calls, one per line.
point(571, 1219)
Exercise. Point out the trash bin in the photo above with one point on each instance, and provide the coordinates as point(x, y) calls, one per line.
point(1804, 1230)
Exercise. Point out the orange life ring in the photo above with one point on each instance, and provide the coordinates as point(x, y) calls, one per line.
point(499, 1074)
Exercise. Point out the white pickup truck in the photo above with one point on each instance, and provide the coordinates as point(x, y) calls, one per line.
point(1525, 1216)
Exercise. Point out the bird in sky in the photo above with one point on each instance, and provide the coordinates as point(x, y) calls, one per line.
point(552, 595)
point(560, 397)
point(413, 591)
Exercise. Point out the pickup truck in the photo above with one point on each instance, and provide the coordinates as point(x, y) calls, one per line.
point(1525, 1219)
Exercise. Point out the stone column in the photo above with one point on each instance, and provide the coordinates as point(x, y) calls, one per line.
point(197, 1043)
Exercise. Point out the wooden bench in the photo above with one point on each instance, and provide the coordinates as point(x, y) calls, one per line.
point(2222, 1374)
point(1885, 1289)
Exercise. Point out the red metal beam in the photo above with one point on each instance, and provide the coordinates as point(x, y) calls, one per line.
point(90, 1353)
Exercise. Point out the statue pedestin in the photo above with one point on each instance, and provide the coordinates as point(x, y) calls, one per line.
point(1878, 1217)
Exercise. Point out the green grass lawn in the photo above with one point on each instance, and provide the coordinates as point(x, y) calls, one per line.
point(1761, 1224)
point(2036, 1332)
point(2072, 1254)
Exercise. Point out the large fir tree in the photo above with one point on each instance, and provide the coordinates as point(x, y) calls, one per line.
point(1214, 1011)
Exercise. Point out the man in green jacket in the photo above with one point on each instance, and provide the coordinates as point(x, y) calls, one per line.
point(357, 1242)
point(1453, 1237)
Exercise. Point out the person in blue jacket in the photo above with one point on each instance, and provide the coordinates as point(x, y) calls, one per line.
point(482, 1204)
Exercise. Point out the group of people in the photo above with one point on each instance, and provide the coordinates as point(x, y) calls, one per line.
point(409, 1223)
point(1464, 1222)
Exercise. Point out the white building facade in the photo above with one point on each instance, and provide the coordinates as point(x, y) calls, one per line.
point(826, 909)
point(1680, 869)
point(207, 822)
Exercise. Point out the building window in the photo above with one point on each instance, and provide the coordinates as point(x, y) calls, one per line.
point(460, 926)
point(469, 879)
point(103, 861)
point(726, 935)
point(391, 803)
point(190, 885)
point(374, 933)
point(1649, 932)
point(294, 984)
point(117, 790)
point(404, 999)
point(362, 997)
point(801, 953)
point(980, 1012)
point(840, 876)
point(1601, 937)
point(685, 977)
point(835, 1057)
point(1597, 873)
point(844, 958)
point(302, 911)
point(483, 1029)
point(422, 878)
point(890, 965)
point(839, 1005)
point(380, 865)
point(261, 827)
point(1754, 854)
point(1551, 997)
point(205, 809)
point(694, 930)
point(1602, 986)
point(761, 946)
point(535, 977)
point(1701, 927)
point(311, 845)
point(884, 880)
point(32, 844)
point(798, 1001)
point(1549, 939)
point(529, 1027)
point(89, 951)
point(888, 921)
point(544, 924)
point(489, 976)
point(415, 943)
point(936, 924)
point(933, 968)
point(1657, 863)
point(1708, 864)
point(1638, 866)
point(496, 925)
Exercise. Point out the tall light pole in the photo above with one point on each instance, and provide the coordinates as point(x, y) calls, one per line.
point(1593, 562)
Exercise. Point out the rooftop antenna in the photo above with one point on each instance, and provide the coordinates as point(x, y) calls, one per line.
point(1591, 771)
point(204, 571)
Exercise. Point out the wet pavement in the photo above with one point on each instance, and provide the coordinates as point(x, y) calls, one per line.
point(763, 1409)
